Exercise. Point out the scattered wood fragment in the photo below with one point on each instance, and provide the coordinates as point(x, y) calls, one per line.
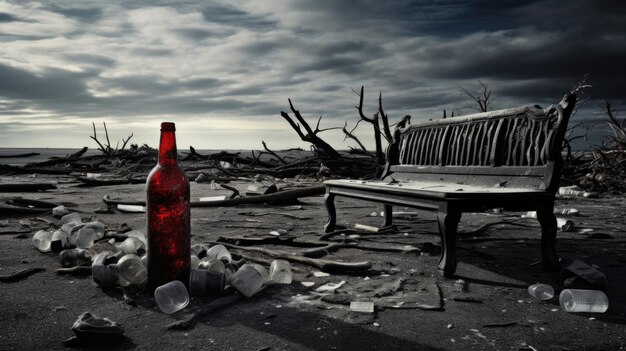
point(326, 265)
point(500, 325)
point(19, 275)
point(110, 181)
point(76, 270)
point(190, 321)
point(19, 210)
point(19, 231)
point(56, 160)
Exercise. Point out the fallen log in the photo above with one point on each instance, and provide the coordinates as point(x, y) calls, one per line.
point(25, 187)
point(57, 160)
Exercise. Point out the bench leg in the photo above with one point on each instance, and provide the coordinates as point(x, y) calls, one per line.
point(546, 218)
point(448, 222)
point(388, 210)
point(329, 201)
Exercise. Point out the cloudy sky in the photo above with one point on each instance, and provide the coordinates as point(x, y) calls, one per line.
point(223, 70)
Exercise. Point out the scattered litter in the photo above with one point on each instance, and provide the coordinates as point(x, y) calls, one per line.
point(362, 306)
point(389, 288)
point(94, 175)
point(213, 198)
point(575, 190)
point(60, 211)
point(541, 291)
point(42, 240)
point(131, 208)
point(249, 279)
point(450, 326)
point(565, 225)
point(94, 329)
point(293, 207)
point(578, 300)
point(568, 212)
point(330, 286)
point(588, 273)
point(307, 284)
point(202, 178)
point(374, 214)
point(320, 274)
point(366, 227)
point(171, 297)
point(376, 324)
point(280, 272)
point(530, 214)
point(585, 230)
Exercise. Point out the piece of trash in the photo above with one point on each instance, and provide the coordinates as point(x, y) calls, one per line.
point(132, 269)
point(213, 198)
point(75, 257)
point(320, 274)
point(219, 252)
point(274, 233)
point(280, 272)
point(133, 246)
point(588, 273)
point(249, 279)
point(575, 190)
point(353, 236)
point(362, 306)
point(565, 224)
point(226, 165)
point(585, 230)
point(131, 208)
point(307, 284)
point(94, 175)
point(376, 324)
point(85, 238)
point(214, 185)
point(19, 275)
point(202, 178)
point(366, 227)
point(374, 214)
point(171, 297)
point(260, 189)
point(530, 214)
point(106, 276)
point(578, 300)
point(568, 212)
point(42, 240)
point(199, 250)
point(71, 218)
point(97, 227)
point(60, 240)
point(60, 211)
point(328, 287)
point(541, 291)
point(91, 328)
point(450, 326)
point(203, 282)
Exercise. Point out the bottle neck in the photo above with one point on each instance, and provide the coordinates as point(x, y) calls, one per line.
point(167, 148)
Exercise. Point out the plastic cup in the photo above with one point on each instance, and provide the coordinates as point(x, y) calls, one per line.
point(171, 297)
point(280, 272)
point(105, 276)
point(578, 300)
point(75, 257)
point(42, 240)
point(85, 238)
point(202, 282)
point(132, 269)
point(249, 279)
point(97, 227)
point(199, 250)
point(218, 252)
point(133, 246)
point(541, 291)
point(71, 218)
point(60, 240)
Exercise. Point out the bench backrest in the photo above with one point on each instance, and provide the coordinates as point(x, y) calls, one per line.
point(517, 147)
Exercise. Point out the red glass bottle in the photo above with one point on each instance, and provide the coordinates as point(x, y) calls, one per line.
point(169, 220)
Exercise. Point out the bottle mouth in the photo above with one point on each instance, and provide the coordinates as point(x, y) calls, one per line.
point(168, 127)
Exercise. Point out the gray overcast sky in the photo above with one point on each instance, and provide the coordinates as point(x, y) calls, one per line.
point(223, 70)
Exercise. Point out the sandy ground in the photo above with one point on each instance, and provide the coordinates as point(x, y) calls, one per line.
point(497, 265)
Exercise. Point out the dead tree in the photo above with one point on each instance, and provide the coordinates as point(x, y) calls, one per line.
point(107, 149)
point(374, 121)
point(482, 97)
point(320, 146)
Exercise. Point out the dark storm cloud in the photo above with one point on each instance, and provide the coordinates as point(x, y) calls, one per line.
point(52, 84)
point(225, 14)
point(5, 17)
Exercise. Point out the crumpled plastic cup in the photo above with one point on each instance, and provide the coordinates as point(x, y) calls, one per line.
point(249, 279)
point(280, 272)
point(171, 297)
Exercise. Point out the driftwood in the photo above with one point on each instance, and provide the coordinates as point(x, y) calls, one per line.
point(326, 265)
point(19, 275)
point(110, 181)
point(20, 210)
point(39, 170)
point(57, 160)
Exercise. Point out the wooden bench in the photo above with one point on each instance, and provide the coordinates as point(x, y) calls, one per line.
point(508, 159)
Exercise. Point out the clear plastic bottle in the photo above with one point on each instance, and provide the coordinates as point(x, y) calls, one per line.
point(578, 300)
point(168, 215)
